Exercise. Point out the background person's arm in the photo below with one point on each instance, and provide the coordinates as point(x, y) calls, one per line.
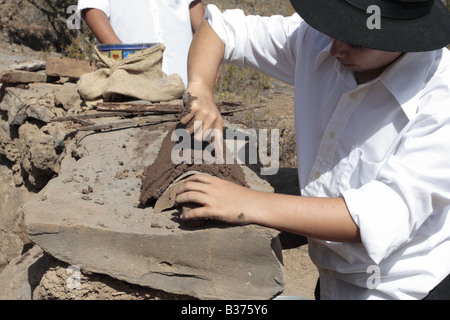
point(100, 26)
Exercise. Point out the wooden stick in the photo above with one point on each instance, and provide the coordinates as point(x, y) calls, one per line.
point(90, 126)
point(96, 115)
point(164, 108)
point(131, 107)
point(125, 124)
point(76, 120)
point(225, 112)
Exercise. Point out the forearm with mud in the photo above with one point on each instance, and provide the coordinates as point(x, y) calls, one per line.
point(204, 59)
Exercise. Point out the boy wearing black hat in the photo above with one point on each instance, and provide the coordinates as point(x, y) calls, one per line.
point(372, 117)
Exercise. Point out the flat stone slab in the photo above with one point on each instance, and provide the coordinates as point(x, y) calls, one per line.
point(90, 216)
point(15, 77)
point(16, 61)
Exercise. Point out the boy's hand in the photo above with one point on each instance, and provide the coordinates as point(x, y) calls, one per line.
point(219, 199)
point(202, 107)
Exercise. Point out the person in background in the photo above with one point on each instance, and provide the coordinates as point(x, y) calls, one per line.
point(372, 119)
point(171, 23)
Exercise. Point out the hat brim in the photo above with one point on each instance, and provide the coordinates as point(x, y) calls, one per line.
point(345, 22)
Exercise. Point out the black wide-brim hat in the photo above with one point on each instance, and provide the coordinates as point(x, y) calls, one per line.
point(398, 25)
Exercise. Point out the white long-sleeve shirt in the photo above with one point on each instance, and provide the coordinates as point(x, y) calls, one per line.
point(151, 21)
point(384, 146)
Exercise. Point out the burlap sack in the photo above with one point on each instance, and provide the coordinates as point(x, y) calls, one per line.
point(138, 76)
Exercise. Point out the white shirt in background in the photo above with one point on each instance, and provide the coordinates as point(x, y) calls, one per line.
point(151, 21)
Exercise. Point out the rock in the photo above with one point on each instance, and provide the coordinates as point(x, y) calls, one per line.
point(107, 232)
point(36, 101)
point(34, 147)
point(41, 109)
point(9, 144)
point(61, 281)
point(67, 96)
point(32, 65)
point(20, 277)
point(12, 234)
point(18, 61)
point(14, 104)
point(15, 77)
point(68, 67)
point(40, 160)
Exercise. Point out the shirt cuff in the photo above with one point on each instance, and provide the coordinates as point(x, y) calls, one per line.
point(382, 217)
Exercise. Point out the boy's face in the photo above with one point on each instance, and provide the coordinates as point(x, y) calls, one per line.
point(360, 59)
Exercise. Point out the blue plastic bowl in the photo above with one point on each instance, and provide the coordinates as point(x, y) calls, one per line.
point(119, 52)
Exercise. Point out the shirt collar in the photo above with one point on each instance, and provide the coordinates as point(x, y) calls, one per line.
point(322, 56)
point(404, 79)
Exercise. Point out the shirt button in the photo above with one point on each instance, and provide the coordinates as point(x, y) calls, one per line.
point(353, 95)
point(332, 135)
point(317, 175)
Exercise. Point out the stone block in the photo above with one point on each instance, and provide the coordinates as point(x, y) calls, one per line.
point(68, 67)
point(36, 101)
point(15, 77)
point(67, 96)
point(22, 274)
point(90, 216)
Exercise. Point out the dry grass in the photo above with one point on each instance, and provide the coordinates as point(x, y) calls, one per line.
point(243, 83)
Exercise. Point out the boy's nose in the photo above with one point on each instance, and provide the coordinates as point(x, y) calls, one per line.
point(338, 48)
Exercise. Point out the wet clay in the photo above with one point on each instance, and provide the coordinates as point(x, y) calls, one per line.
point(163, 172)
point(158, 176)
